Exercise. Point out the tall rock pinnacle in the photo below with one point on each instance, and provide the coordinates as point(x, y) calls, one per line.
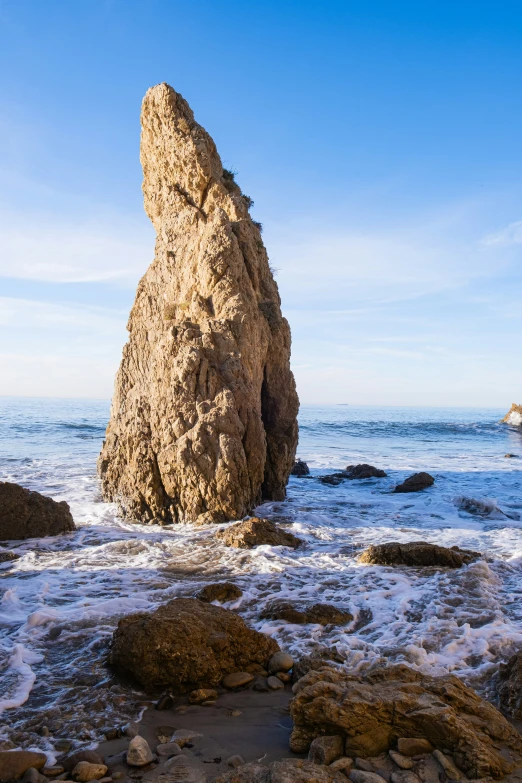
point(203, 422)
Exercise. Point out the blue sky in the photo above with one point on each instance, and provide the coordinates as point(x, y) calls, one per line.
point(380, 142)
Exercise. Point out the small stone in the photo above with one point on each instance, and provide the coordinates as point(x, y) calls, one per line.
point(85, 772)
point(280, 662)
point(405, 776)
point(183, 736)
point(81, 755)
point(32, 775)
point(283, 676)
point(164, 702)
point(62, 745)
point(118, 775)
point(235, 713)
point(261, 685)
point(112, 734)
point(448, 766)
point(237, 680)
point(44, 731)
point(275, 684)
point(414, 746)
point(361, 776)
point(51, 772)
point(209, 703)
point(404, 762)
point(131, 729)
point(235, 761)
point(364, 764)
point(324, 750)
point(55, 632)
point(139, 753)
point(203, 695)
point(168, 749)
point(344, 764)
point(106, 780)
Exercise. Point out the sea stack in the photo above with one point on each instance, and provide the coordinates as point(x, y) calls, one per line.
point(514, 416)
point(203, 422)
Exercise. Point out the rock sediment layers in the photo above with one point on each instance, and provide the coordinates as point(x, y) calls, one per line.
point(204, 415)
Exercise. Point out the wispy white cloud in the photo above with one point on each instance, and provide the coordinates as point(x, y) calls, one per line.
point(510, 235)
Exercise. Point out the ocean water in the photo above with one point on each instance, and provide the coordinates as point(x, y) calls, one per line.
point(60, 602)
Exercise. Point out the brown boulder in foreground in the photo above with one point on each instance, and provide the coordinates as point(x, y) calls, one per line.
point(204, 414)
point(186, 644)
point(13, 763)
point(27, 514)
point(372, 712)
point(417, 553)
point(256, 532)
point(415, 483)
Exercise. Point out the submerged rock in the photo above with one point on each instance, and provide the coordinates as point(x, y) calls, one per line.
point(27, 514)
point(417, 553)
point(322, 614)
point(372, 712)
point(364, 471)
point(204, 415)
point(514, 416)
point(256, 532)
point(219, 591)
point(187, 644)
point(300, 468)
point(415, 483)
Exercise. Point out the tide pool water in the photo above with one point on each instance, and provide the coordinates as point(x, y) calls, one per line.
point(60, 602)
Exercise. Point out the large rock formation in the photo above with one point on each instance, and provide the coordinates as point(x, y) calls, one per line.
point(514, 416)
point(373, 712)
point(187, 644)
point(203, 423)
point(27, 514)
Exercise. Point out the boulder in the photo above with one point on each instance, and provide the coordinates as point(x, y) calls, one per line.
point(373, 711)
point(514, 416)
point(203, 423)
point(84, 771)
point(415, 483)
point(280, 662)
point(285, 771)
point(509, 686)
point(219, 591)
point(7, 557)
point(364, 471)
point(27, 514)
point(13, 763)
point(321, 614)
point(324, 750)
point(256, 532)
point(417, 553)
point(81, 755)
point(300, 469)
point(187, 644)
point(139, 753)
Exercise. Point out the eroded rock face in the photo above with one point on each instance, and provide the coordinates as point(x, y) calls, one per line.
point(204, 415)
point(514, 416)
point(256, 532)
point(417, 553)
point(187, 644)
point(372, 712)
point(27, 514)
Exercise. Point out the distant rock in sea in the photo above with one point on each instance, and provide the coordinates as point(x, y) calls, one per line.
point(27, 514)
point(514, 416)
point(203, 423)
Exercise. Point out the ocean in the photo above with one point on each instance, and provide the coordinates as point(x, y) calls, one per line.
point(60, 602)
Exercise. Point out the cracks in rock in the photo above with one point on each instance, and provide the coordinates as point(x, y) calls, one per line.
point(205, 194)
point(189, 200)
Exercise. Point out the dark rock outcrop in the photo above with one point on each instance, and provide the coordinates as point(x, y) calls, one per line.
point(27, 514)
point(509, 686)
point(300, 469)
point(417, 553)
point(256, 532)
point(415, 483)
point(203, 421)
point(514, 416)
point(321, 614)
point(187, 644)
point(372, 712)
point(364, 471)
point(219, 591)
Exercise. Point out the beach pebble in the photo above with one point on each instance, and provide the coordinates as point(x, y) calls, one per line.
point(164, 702)
point(32, 775)
point(361, 776)
point(131, 729)
point(344, 764)
point(237, 679)
point(405, 776)
point(85, 772)
point(139, 753)
point(118, 775)
point(261, 685)
point(62, 745)
point(168, 749)
point(202, 695)
point(275, 684)
point(235, 761)
point(51, 772)
point(112, 734)
point(404, 762)
point(414, 746)
point(235, 713)
point(448, 766)
point(283, 676)
point(280, 662)
point(324, 750)
point(44, 731)
point(182, 736)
